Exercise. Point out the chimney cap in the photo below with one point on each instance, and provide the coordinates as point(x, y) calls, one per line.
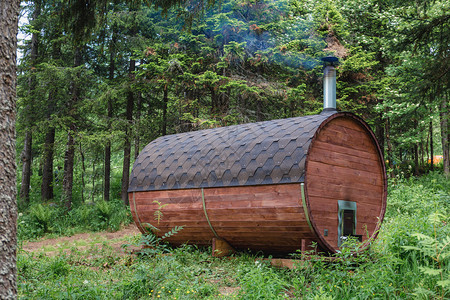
point(330, 60)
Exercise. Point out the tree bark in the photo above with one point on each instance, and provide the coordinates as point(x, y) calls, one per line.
point(47, 169)
point(112, 66)
point(26, 168)
point(137, 138)
point(127, 144)
point(165, 101)
point(431, 145)
point(29, 111)
point(68, 169)
point(445, 133)
point(9, 13)
point(47, 185)
point(387, 130)
point(69, 156)
point(83, 173)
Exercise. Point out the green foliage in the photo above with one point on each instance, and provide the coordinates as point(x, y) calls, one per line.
point(41, 219)
point(261, 281)
point(152, 244)
point(435, 251)
point(42, 216)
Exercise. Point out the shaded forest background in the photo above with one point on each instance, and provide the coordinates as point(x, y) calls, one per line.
point(98, 82)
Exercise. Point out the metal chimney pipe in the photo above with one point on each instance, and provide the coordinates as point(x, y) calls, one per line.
point(329, 83)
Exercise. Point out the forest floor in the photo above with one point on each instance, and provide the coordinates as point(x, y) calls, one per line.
point(84, 241)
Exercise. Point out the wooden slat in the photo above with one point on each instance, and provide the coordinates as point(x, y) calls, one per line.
point(348, 123)
point(328, 156)
point(337, 138)
point(270, 214)
point(343, 149)
point(325, 170)
point(336, 192)
point(315, 180)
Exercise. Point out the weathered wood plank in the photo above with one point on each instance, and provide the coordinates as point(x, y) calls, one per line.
point(344, 150)
point(328, 156)
point(356, 176)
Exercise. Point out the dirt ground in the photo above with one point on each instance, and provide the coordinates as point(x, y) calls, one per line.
point(82, 241)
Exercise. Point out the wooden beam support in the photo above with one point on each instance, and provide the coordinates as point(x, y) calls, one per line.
point(221, 248)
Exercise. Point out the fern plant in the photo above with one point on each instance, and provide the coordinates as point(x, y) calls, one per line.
point(438, 250)
point(154, 244)
point(42, 215)
point(158, 213)
point(151, 242)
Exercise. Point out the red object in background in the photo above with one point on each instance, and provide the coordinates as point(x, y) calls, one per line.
point(436, 159)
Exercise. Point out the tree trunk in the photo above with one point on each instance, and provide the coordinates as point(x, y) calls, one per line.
point(47, 185)
point(29, 111)
point(379, 131)
point(47, 170)
point(431, 145)
point(127, 144)
point(26, 168)
point(445, 134)
point(107, 174)
point(83, 173)
point(213, 102)
point(137, 138)
point(68, 169)
point(9, 13)
point(389, 155)
point(416, 159)
point(69, 156)
point(165, 101)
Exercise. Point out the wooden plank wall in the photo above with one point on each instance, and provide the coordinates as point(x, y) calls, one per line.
point(267, 217)
point(344, 164)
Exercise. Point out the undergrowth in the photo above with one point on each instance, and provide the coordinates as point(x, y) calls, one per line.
point(55, 220)
point(408, 260)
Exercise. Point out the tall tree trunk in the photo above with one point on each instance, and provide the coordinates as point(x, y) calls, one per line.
point(26, 154)
point(68, 168)
point(47, 170)
point(26, 168)
point(416, 152)
point(431, 145)
point(416, 159)
point(83, 173)
point(107, 174)
point(9, 14)
point(137, 138)
point(387, 130)
point(445, 133)
point(165, 101)
point(379, 130)
point(48, 151)
point(213, 102)
point(69, 156)
point(127, 144)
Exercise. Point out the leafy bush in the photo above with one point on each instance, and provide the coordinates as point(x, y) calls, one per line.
point(42, 219)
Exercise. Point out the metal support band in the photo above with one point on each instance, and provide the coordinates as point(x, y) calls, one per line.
point(206, 215)
point(136, 213)
point(305, 208)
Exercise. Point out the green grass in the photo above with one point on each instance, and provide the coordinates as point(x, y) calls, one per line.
point(409, 260)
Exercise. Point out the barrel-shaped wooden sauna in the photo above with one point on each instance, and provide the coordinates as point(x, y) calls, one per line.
point(269, 186)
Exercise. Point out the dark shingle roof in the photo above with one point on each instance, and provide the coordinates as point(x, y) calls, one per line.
point(270, 152)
